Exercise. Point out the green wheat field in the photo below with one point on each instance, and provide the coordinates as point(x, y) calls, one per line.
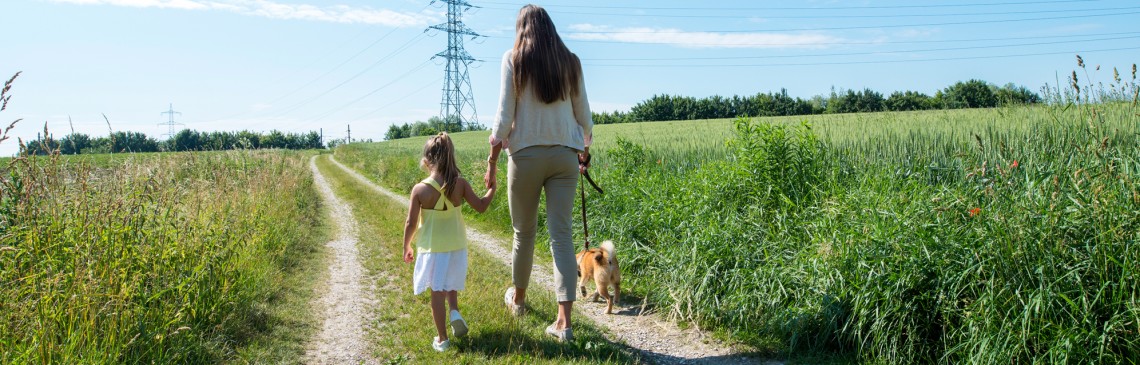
point(964, 236)
point(1002, 235)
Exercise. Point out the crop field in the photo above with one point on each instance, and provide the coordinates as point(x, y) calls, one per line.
point(156, 258)
point(1002, 235)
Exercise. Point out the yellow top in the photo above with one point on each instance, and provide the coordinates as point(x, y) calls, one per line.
point(441, 229)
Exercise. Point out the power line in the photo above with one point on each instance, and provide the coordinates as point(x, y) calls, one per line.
point(346, 61)
point(862, 26)
point(393, 102)
point(844, 16)
point(387, 57)
point(862, 53)
point(382, 87)
point(318, 59)
point(338, 66)
point(811, 8)
point(330, 71)
point(850, 43)
point(868, 62)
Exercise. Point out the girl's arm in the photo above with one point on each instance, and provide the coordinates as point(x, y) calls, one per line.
point(411, 222)
point(480, 204)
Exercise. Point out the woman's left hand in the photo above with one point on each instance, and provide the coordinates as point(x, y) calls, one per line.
point(584, 161)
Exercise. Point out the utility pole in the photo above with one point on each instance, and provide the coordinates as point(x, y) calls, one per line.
point(170, 123)
point(349, 138)
point(457, 83)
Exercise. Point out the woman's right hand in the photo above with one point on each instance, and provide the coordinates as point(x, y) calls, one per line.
point(584, 161)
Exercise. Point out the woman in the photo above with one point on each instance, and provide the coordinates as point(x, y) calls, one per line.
point(544, 123)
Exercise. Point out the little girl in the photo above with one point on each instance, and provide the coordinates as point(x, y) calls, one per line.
point(435, 224)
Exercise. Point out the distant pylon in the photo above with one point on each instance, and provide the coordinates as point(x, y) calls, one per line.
point(457, 83)
point(170, 123)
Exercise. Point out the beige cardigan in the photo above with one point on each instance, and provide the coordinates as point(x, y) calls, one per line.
point(526, 121)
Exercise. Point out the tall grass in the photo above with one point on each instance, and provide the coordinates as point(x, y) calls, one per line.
point(1000, 243)
point(162, 259)
point(968, 236)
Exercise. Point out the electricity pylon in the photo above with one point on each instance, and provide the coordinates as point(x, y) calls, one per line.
point(170, 123)
point(458, 104)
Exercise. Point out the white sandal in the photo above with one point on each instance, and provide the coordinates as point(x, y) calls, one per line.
point(509, 299)
point(563, 335)
point(440, 346)
point(458, 325)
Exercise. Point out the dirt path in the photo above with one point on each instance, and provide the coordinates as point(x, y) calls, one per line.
point(345, 303)
point(659, 341)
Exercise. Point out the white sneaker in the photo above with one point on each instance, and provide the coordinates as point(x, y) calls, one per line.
point(509, 299)
point(440, 346)
point(458, 325)
point(563, 335)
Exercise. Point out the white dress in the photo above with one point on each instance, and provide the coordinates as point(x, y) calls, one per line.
point(440, 271)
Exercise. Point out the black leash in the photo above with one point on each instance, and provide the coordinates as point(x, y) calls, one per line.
point(582, 193)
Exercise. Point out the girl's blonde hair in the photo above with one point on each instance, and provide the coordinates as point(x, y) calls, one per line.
point(541, 59)
point(439, 156)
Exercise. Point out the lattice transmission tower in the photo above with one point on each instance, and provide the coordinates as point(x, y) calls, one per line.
point(170, 123)
point(457, 104)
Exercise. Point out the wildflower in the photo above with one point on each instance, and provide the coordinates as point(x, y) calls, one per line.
point(975, 211)
point(1013, 165)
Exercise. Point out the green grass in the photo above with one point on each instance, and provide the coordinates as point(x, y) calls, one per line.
point(158, 258)
point(403, 328)
point(891, 237)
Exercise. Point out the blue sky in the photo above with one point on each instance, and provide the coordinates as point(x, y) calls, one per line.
point(301, 65)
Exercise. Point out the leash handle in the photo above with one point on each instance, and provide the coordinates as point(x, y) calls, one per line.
point(585, 229)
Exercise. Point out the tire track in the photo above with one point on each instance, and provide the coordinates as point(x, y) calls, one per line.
point(346, 302)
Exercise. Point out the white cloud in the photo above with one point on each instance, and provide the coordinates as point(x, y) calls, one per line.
point(162, 4)
point(677, 37)
point(275, 10)
point(602, 106)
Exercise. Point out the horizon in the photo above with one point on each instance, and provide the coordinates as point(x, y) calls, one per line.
point(231, 65)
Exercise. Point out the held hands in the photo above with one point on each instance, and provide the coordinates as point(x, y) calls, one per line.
point(489, 180)
point(493, 162)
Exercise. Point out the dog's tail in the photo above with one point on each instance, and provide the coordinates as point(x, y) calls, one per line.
point(608, 247)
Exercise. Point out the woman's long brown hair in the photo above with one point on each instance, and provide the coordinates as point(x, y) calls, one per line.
point(541, 59)
point(439, 155)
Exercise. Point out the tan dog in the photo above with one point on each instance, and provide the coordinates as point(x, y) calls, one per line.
point(602, 265)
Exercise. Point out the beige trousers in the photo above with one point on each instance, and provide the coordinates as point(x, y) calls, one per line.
point(553, 169)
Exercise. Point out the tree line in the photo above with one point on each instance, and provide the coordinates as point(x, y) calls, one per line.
point(432, 126)
point(963, 94)
point(185, 140)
